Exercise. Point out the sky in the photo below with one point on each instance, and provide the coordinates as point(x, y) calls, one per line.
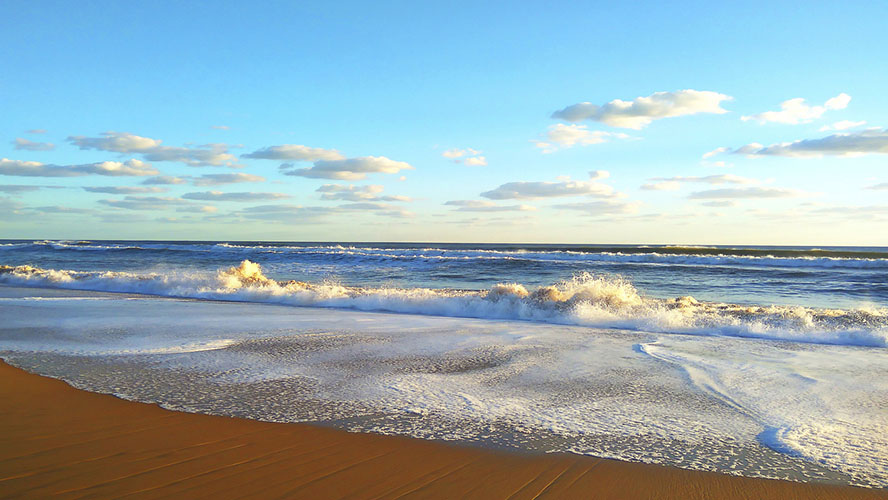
point(564, 122)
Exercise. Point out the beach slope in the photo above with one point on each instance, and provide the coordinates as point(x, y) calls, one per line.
point(58, 441)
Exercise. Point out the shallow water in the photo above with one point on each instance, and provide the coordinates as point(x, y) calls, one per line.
point(756, 407)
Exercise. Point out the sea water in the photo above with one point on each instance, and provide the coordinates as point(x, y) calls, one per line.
point(766, 362)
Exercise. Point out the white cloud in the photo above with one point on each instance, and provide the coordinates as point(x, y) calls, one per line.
point(61, 210)
point(715, 151)
point(118, 142)
point(486, 206)
point(597, 175)
point(242, 196)
point(476, 161)
point(219, 179)
point(795, 111)
point(640, 112)
point(846, 144)
point(842, 125)
point(471, 157)
point(674, 183)
point(298, 214)
point(36, 131)
point(295, 152)
point(164, 180)
point(604, 207)
point(455, 153)
point(110, 168)
point(742, 193)
point(536, 190)
point(560, 136)
point(879, 187)
point(838, 102)
point(661, 186)
point(382, 209)
point(152, 150)
point(26, 145)
point(221, 127)
point(123, 189)
point(350, 169)
point(146, 202)
point(357, 193)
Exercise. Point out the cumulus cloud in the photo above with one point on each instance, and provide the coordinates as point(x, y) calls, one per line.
point(597, 175)
point(842, 125)
point(146, 202)
point(294, 152)
point(486, 206)
point(470, 157)
point(123, 189)
point(219, 179)
point(535, 190)
point(845, 144)
point(134, 168)
point(795, 111)
point(879, 187)
point(242, 196)
point(743, 193)
point(604, 207)
point(674, 183)
point(357, 193)
point(350, 169)
point(153, 150)
point(164, 180)
point(476, 161)
point(715, 151)
point(640, 112)
point(455, 153)
point(26, 145)
point(561, 136)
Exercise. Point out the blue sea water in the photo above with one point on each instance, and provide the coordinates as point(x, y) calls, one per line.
point(843, 277)
point(760, 361)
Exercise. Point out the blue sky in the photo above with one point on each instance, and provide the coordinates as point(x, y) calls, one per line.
point(446, 122)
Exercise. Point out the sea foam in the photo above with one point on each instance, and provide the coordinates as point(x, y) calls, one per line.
point(585, 300)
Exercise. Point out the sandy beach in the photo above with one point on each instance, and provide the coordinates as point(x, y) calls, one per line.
point(62, 442)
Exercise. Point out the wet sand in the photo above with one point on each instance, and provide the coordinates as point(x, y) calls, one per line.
point(58, 441)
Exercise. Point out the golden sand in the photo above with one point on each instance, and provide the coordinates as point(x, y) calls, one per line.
point(58, 441)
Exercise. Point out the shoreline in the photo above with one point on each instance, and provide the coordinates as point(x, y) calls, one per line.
point(66, 442)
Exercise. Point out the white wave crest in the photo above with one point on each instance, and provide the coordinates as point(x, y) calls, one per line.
point(586, 300)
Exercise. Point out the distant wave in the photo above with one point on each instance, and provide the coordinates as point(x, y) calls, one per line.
point(643, 255)
point(585, 300)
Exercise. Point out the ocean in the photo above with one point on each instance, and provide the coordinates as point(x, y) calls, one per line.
point(759, 361)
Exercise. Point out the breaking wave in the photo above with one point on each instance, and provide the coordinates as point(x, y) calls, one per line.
point(585, 300)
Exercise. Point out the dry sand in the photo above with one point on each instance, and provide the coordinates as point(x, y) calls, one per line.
point(60, 441)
